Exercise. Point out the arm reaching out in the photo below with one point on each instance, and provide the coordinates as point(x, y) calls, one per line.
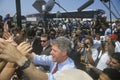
point(24, 48)
point(5, 27)
point(9, 38)
point(10, 67)
point(12, 54)
point(2, 65)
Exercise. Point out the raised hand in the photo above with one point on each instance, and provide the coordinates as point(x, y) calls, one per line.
point(8, 51)
point(5, 27)
point(24, 48)
point(9, 38)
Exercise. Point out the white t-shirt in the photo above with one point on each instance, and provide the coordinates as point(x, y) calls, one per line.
point(97, 44)
point(102, 61)
point(117, 46)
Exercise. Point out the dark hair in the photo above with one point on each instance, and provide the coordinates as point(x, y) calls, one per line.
point(31, 32)
point(113, 74)
point(116, 55)
point(52, 30)
point(90, 38)
point(45, 35)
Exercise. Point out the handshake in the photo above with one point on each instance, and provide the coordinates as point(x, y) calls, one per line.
point(9, 55)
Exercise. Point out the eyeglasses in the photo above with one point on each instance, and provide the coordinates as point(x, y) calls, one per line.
point(43, 40)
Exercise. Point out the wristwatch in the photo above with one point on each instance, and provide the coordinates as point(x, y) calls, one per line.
point(25, 65)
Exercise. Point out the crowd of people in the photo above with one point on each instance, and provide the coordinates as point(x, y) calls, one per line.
point(48, 50)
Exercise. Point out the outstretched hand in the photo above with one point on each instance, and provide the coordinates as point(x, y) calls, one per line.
point(24, 48)
point(9, 38)
point(9, 52)
point(7, 35)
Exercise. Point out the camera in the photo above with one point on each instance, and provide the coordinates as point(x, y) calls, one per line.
point(85, 45)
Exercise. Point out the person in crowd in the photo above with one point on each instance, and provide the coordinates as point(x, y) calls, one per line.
point(34, 41)
point(45, 43)
point(117, 42)
point(68, 34)
point(97, 41)
point(75, 38)
point(61, 47)
point(46, 49)
point(109, 74)
point(9, 20)
point(113, 63)
point(91, 53)
point(107, 30)
point(52, 33)
point(78, 55)
point(97, 25)
point(40, 46)
point(107, 48)
point(7, 17)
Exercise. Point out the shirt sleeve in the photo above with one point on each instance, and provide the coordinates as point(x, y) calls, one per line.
point(42, 60)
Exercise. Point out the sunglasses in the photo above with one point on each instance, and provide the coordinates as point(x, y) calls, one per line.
point(30, 38)
point(43, 40)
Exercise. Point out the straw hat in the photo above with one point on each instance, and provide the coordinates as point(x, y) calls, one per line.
point(73, 74)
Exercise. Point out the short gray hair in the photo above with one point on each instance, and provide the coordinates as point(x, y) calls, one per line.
point(63, 43)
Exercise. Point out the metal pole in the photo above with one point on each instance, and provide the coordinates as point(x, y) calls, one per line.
point(110, 15)
point(18, 12)
point(110, 10)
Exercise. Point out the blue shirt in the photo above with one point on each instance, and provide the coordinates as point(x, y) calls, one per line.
point(47, 60)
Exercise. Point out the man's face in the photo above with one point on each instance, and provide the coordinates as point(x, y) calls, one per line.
point(44, 41)
point(52, 34)
point(57, 54)
point(114, 64)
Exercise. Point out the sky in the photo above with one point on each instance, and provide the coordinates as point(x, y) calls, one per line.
point(9, 6)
